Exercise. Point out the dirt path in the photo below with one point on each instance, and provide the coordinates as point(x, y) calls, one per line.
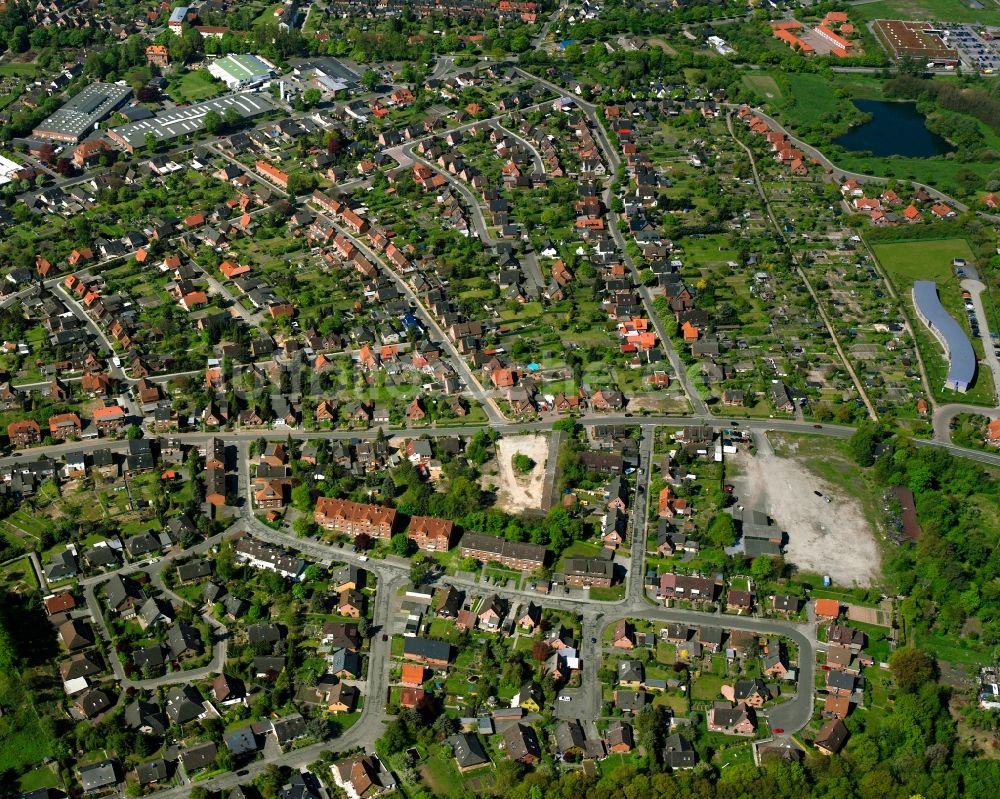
point(521, 492)
point(831, 538)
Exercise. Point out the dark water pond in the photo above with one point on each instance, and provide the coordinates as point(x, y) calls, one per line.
point(894, 129)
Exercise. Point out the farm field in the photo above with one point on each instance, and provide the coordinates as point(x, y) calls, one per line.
point(938, 10)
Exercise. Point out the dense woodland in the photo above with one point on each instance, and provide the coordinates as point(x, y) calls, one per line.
point(952, 575)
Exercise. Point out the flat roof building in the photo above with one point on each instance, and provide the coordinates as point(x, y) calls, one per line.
point(957, 347)
point(241, 70)
point(177, 18)
point(180, 122)
point(83, 112)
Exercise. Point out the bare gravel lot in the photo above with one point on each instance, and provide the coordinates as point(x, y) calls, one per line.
point(831, 538)
point(519, 493)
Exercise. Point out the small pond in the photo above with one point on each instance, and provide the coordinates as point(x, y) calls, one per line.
point(894, 129)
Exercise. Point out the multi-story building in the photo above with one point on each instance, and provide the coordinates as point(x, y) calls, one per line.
point(431, 534)
point(513, 554)
point(354, 518)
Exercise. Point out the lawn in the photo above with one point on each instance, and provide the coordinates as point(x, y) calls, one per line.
point(764, 85)
point(962, 650)
point(613, 594)
point(17, 575)
point(41, 777)
point(907, 261)
point(194, 86)
point(441, 776)
point(707, 686)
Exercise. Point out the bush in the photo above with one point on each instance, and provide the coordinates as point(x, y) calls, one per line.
point(522, 463)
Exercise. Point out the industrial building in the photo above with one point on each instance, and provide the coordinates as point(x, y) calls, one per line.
point(80, 115)
point(190, 120)
point(957, 348)
point(241, 71)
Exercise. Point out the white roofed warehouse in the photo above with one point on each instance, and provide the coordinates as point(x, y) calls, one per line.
point(240, 71)
point(188, 120)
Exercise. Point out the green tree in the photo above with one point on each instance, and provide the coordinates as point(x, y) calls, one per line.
point(521, 463)
point(213, 122)
point(18, 41)
point(864, 442)
point(762, 569)
point(722, 530)
point(369, 80)
point(311, 97)
point(911, 668)
point(302, 497)
point(419, 569)
point(402, 545)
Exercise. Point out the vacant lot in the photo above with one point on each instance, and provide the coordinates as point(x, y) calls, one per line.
point(832, 538)
point(521, 492)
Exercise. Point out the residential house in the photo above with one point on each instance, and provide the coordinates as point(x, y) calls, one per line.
point(732, 720)
point(831, 737)
point(521, 744)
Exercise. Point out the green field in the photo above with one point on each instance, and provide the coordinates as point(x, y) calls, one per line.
point(933, 10)
point(812, 97)
point(19, 70)
point(763, 85)
point(25, 743)
point(194, 86)
point(907, 261)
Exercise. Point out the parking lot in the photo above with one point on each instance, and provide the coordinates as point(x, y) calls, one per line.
point(977, 48)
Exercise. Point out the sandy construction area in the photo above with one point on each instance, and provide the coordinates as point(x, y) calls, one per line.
point(521, 492)
point(831, 538)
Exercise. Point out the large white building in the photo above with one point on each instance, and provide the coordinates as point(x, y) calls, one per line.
point(240, 71)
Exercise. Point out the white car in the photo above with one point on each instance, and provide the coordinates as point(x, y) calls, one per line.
point(565, 698)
